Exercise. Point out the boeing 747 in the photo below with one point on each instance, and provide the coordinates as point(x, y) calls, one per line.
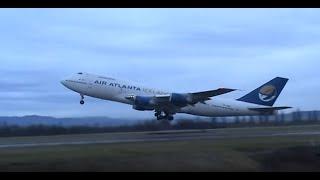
point(165, 104)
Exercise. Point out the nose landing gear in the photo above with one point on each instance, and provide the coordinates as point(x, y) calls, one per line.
point(82, 101)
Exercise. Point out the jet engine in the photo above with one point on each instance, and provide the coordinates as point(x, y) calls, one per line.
point(142, 103)
point(142, 108)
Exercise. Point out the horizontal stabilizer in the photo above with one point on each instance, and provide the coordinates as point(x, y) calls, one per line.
point(269, 109)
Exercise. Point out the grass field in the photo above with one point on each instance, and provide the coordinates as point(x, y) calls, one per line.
point(284, 153)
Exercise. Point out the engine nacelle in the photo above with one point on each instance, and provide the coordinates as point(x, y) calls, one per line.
point(142, 103)
point(180, 99)
point(142, 108)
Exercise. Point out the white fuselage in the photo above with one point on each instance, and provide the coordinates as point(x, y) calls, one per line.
point(116, 90)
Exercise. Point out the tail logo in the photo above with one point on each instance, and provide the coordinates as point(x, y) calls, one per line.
point(267, 93)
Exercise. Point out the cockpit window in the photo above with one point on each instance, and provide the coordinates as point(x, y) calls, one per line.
point(80, 73)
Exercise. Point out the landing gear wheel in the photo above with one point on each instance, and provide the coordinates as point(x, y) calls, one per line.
point(158, 114)
point(170, 118)
point(163, 115)
point(82, 101)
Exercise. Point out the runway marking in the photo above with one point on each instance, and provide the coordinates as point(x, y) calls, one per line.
point(297, 133)
point(177, 132)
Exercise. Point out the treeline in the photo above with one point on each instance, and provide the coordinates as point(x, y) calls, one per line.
point(38, 130)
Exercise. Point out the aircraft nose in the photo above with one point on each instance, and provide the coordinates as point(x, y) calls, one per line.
point(63, 82)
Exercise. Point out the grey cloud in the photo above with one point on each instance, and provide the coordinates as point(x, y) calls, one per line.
point(14, 86)
point(171, 49)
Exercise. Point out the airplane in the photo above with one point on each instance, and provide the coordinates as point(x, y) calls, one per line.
point(166, 104)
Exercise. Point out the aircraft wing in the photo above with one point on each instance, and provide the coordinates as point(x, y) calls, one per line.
point(195, 97)
point(173, 102)
point(205, 95)
point(188, 98)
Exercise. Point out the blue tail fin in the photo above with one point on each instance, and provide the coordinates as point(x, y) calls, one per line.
point(266, 94)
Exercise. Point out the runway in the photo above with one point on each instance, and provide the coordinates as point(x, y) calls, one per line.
point(155, 136)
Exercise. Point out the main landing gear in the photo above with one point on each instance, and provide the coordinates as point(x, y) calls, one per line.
point(162, 115)
point(82, 101)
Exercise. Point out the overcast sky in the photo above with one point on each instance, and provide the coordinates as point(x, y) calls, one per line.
point(182, 50)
